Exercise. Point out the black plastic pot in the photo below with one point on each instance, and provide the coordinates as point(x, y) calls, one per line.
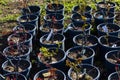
point(74, 51)
point(54, 8)
point(15, 75)
point(76, 8)
point(55, 37)
point(101, 6)
point(23, 52)
point(90, 70)
point(34, 10)
point(32, 19)
point(30, 28)
point(93, 41)
point(25, 65)
point(112, 60)
point(60, 75)
point(26, 38)
point(46, 28)
point(75, 28)
point(99, 18)
point(54, 18)
point(60, 64)
point(76, 17)
point(114, 44)
point(103, 27)
point(113, 76)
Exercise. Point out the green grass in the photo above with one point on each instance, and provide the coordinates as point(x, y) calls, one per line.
point(68, 8)
point(4, 2)
point(9, 17)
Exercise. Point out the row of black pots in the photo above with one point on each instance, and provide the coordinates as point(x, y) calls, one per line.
point(111, 68)
point(59, 8)
point(17, 65)
point(100, 6)
point(35, 23)
point(59, 64)
point(98, 21)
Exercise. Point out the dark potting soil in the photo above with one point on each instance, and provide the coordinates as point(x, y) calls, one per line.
point(51, 60)
point(14, 52)
point(88, 43)
point(80, 76)
point(50, 42)
point(76, 54)
point(12, 69)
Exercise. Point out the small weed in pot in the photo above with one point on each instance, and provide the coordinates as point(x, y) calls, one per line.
point(83, 71)
point(49, 57)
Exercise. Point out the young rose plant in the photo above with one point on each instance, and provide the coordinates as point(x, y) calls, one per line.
point(79, 73)
point(44, 52)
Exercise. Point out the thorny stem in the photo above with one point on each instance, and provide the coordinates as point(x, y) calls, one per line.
point(74, 65)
